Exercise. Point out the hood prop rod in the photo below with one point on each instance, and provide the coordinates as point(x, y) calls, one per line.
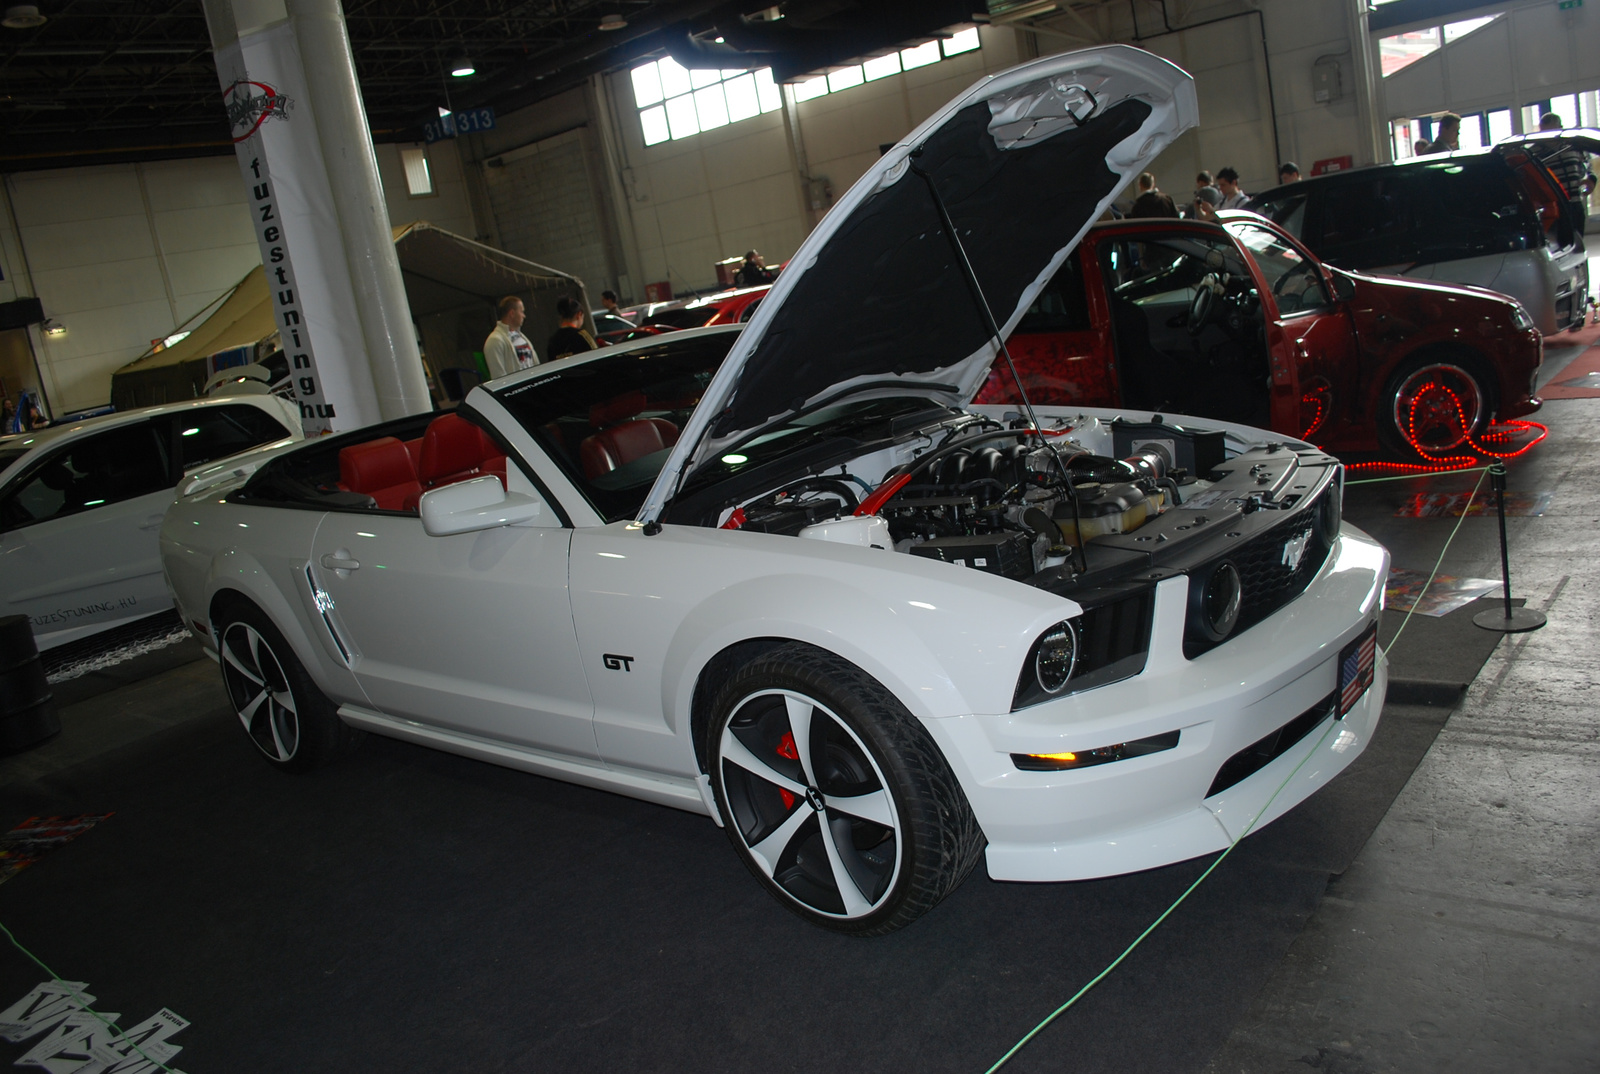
point(993, 328)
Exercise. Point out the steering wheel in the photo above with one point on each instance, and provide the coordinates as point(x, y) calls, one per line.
point(1204, 303)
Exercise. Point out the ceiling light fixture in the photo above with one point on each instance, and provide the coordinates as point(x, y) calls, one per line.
point(22, 17)
point(612, 22)
point(54, 329)
point(461, 67)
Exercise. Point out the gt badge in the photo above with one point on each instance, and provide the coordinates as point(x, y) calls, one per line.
point(1294, 550)
point(614, 662)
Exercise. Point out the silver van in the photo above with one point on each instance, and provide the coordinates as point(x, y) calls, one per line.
point(1494, 218)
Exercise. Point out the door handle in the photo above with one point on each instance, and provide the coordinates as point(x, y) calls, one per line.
point(335, 562)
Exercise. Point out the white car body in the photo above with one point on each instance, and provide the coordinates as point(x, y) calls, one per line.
point(91, 567)
point(523, 626)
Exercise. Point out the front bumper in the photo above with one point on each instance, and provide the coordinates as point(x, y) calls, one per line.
point(1154, 810)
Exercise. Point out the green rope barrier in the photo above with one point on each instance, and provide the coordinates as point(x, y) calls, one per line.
point(1036, 1030)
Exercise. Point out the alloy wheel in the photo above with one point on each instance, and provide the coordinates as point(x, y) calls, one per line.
point(260, 692)
point(810, 804)
point(1438, 407)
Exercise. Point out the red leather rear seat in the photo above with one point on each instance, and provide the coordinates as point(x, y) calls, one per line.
point(621, 444)
point(381, 469)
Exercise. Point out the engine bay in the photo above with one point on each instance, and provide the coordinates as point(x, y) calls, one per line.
point(1083, 500)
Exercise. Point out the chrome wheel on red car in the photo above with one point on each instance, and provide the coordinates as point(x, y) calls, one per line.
point(1437, 407)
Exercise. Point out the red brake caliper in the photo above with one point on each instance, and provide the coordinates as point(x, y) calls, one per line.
point(788, 751)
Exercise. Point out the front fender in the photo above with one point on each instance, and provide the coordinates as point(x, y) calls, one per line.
point(273, 588)
point(945, 640)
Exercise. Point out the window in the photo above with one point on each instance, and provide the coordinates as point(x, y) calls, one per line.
point(210, 433)
point(106, 468)
point(675, 102)
point(1369, 220)
point(419, 181)
point(1293, 278)
point(1063, 305)
point(1454, 30)
point(1402, 50)
point(1288, 212)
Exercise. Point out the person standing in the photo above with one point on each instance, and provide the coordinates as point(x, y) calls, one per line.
point(1288, 172)
point(1449, 139)
point(1206, 197)
point(1151, 201)
point(754, 271)
point(1228, 184)
point(570, 338)
point(1570, 167)
point(507, 350)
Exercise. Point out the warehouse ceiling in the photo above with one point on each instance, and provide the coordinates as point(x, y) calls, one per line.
point(111, 80)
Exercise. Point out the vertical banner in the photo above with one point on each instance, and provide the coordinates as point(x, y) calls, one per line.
point(291, 207)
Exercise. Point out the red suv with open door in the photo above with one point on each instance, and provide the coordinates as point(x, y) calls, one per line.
point(1238, 321)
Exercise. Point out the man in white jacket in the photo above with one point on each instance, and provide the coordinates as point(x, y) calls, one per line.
point(507, 349)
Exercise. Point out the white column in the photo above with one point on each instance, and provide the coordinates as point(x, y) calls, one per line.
point(316, 201)
point(352, 170)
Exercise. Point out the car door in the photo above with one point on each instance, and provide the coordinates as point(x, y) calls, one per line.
point(1062, 346)
point(470, 633)
point(1314, 354)
point(79, 548)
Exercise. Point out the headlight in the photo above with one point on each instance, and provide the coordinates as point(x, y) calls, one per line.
point(1107, 643)
point(1519, 316)
point(1329, 514)
point(1219, 600)
point(1055, 658)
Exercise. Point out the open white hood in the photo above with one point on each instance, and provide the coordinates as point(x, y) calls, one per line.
point(876, 301)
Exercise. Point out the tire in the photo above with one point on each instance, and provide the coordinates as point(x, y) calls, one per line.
point(292, 723)
point(863, 843)
point(1433, 405)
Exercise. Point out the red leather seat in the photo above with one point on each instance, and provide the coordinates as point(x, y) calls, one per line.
point(621, 444)
point(381, 469)
point(454, 449)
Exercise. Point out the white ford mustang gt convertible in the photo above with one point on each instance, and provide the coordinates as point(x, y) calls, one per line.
point(790, 578)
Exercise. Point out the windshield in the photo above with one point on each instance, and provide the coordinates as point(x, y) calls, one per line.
point(611, 422)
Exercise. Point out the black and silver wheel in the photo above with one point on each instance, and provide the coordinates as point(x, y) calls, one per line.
point(833, 794)
point(289, 720)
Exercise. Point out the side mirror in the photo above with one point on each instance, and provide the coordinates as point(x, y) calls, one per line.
point(480, 504)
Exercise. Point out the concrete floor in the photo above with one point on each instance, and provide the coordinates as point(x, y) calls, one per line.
point(1465, 936)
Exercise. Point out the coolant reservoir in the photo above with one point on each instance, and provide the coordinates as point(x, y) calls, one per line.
point(1103, 509)
point(868, 531)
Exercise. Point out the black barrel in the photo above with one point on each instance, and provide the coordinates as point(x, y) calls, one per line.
point(27, 707)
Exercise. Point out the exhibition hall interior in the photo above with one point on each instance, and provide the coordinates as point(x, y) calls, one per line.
point(853, 535)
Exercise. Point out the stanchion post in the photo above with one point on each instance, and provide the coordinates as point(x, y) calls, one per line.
point(1509, 620)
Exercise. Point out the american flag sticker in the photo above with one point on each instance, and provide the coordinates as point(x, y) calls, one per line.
point(1357, 664)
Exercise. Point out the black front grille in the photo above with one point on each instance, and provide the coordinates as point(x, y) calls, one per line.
point(1267, 580)
point(1256, 756)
